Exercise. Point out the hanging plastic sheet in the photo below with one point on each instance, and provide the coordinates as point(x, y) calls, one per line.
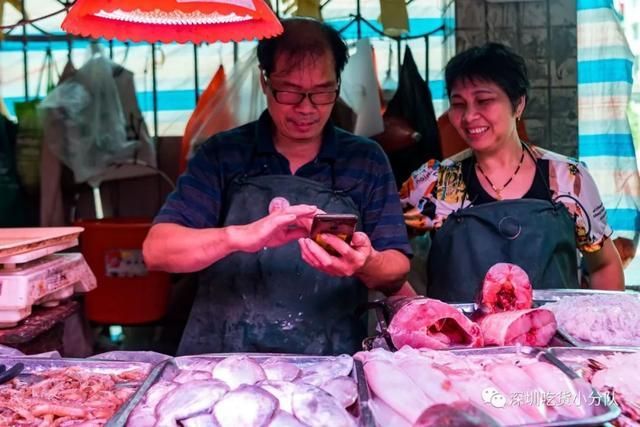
point(410, 134)
point(360, 90)
point(51, 195)
point(236, 101)
point(29, 140)
point(200, 123)
point(605, 138)
point(94, 120)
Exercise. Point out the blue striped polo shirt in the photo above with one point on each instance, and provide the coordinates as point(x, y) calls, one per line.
point(355, 164)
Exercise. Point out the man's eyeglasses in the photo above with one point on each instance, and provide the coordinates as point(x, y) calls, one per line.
point(294, 98)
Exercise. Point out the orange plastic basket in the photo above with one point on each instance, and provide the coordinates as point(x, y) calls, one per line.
point(127, 294)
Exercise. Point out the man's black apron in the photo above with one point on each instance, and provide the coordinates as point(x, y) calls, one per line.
point(537, 235)
point(272, 301)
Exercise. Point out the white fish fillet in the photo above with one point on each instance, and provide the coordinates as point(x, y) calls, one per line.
point(396, 389)
point(553, 381)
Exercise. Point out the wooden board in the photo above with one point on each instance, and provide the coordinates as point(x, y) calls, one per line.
point(16, 241)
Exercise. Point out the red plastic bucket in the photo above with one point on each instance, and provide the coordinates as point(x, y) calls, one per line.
point(127, 293)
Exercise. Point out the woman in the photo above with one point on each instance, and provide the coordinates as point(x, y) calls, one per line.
point(503, 200)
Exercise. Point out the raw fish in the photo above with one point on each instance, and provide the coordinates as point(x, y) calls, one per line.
point(237, 370)
point(188, 375)
point(431, 323)
point(396, 389)
point(246, 406)
point(506, 287)
point(202, 420)
point(189, 399)
point(321, 372)
point(280, 370)
point(285, 419)
point(533, 327)
point(343, 389)
point(317, 408)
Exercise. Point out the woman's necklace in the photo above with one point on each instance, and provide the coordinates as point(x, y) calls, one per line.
point(496, 189)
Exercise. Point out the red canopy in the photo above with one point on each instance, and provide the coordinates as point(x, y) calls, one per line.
point(169, 21)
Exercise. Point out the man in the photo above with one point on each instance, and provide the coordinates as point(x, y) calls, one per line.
point(242, 213)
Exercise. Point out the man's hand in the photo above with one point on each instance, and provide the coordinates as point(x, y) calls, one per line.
point(276, 229)
point(351, 260)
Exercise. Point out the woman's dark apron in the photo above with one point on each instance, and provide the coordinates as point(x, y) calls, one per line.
point(537, 235)
point(271, 300)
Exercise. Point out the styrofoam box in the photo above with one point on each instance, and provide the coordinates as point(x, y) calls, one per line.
point(42, 281)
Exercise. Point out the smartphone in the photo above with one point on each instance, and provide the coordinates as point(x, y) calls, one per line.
point(340, 225)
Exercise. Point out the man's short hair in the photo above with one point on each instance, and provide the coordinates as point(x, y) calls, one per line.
point(302, 37)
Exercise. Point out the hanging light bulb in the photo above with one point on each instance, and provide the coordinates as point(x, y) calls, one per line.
point(169, 21)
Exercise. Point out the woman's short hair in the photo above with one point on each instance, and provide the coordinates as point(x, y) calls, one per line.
point(302, 37)
point(492, 62)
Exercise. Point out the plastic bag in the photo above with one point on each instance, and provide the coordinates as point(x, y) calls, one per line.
point(236, 101)
point(29, 143)
point(90, 107)
point(360, 90)
point(199, 120)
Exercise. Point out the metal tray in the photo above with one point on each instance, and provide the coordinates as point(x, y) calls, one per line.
point(553, 295)
point(119, 418)
point(566, 354)
point(607, 413)
point(35, 365)
point(169, 368)
point(595, 350)
point(543, 296)
point(556, 294)
point(576, 342)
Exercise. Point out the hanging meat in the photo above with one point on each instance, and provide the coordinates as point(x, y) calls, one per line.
point(430, 323)
point(505, 287)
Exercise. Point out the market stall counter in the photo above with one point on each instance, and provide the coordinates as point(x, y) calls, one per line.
point(506, 358)
point(433, 364)
point(42, 331)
